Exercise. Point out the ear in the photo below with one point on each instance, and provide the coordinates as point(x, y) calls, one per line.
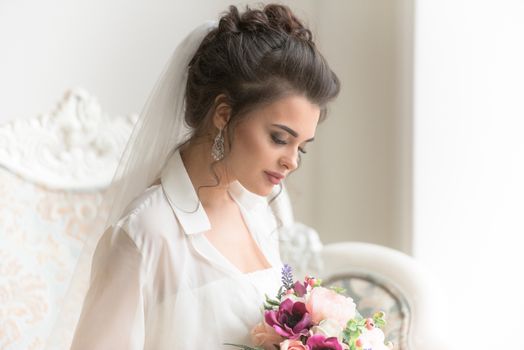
point(222, 112)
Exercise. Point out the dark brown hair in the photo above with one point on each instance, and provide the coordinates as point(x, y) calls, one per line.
point(255, 58)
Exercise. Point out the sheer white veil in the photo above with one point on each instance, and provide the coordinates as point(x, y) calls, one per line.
point(159, 130)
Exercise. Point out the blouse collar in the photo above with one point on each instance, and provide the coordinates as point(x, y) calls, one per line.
point(184, 200)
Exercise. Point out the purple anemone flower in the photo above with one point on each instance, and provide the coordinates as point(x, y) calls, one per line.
point(320, 342)
point(291, 320)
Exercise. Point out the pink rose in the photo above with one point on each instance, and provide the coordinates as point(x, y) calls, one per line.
point(265, 336)
point(326, 304)
point(293, 345)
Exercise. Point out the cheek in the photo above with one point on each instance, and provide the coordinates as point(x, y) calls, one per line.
point(249, 152)
point(250, 145)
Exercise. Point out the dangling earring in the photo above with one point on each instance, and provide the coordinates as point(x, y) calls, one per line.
point(217, 151)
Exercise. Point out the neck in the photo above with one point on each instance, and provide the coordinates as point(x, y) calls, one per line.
point(197, 161)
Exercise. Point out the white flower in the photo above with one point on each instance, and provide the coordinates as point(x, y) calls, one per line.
point(328, 328)
point(373, 339)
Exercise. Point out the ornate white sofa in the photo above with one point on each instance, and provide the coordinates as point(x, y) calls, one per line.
point(53, 172)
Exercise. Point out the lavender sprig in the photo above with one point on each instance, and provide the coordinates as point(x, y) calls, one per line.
point(287, 276)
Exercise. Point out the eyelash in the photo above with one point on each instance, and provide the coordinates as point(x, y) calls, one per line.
point(282, 142)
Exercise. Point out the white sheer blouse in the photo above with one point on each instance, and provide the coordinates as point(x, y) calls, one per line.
point(158, 283)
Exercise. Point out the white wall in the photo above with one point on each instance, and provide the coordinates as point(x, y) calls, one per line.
point(469, 170)
point(115, 49)
point(353, 182)
point(357, 180)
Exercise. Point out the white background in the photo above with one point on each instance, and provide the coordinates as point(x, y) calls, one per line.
point(469, 169)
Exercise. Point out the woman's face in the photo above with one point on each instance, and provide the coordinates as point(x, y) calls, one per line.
point(268, 142)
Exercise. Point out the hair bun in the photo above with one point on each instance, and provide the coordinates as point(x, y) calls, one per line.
point(282, 17)
point(272, 17)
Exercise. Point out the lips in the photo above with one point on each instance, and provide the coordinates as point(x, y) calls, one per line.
point(273, 177)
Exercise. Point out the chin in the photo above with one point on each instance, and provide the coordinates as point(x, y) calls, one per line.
point(266, 193)
point(263, 191)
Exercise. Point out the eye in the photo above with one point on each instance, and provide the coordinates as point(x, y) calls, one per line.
point(278, 140)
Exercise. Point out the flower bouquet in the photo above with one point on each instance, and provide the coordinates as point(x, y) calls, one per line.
point(306, 316)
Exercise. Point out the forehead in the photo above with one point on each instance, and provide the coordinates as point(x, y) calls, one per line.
point(294, 111)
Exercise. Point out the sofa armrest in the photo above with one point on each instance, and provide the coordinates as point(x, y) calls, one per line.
point(381, 278)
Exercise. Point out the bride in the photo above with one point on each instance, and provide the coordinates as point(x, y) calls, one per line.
point(191, 243)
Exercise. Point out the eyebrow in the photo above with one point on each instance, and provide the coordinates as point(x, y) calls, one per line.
point(291, 131)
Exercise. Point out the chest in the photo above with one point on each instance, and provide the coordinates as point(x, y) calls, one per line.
point(231, 236)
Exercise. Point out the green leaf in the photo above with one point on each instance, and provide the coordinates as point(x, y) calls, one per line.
point(338, 290)
point(379, 320)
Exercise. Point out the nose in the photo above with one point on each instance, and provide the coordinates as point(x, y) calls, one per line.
point(289, 161)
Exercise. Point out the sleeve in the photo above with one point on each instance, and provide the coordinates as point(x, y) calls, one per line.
point(112, 315)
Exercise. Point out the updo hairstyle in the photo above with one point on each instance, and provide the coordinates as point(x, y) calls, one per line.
point(255, 58)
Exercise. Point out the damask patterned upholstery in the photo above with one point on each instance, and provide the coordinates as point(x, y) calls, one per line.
point(53, 172)
point(41, 234)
